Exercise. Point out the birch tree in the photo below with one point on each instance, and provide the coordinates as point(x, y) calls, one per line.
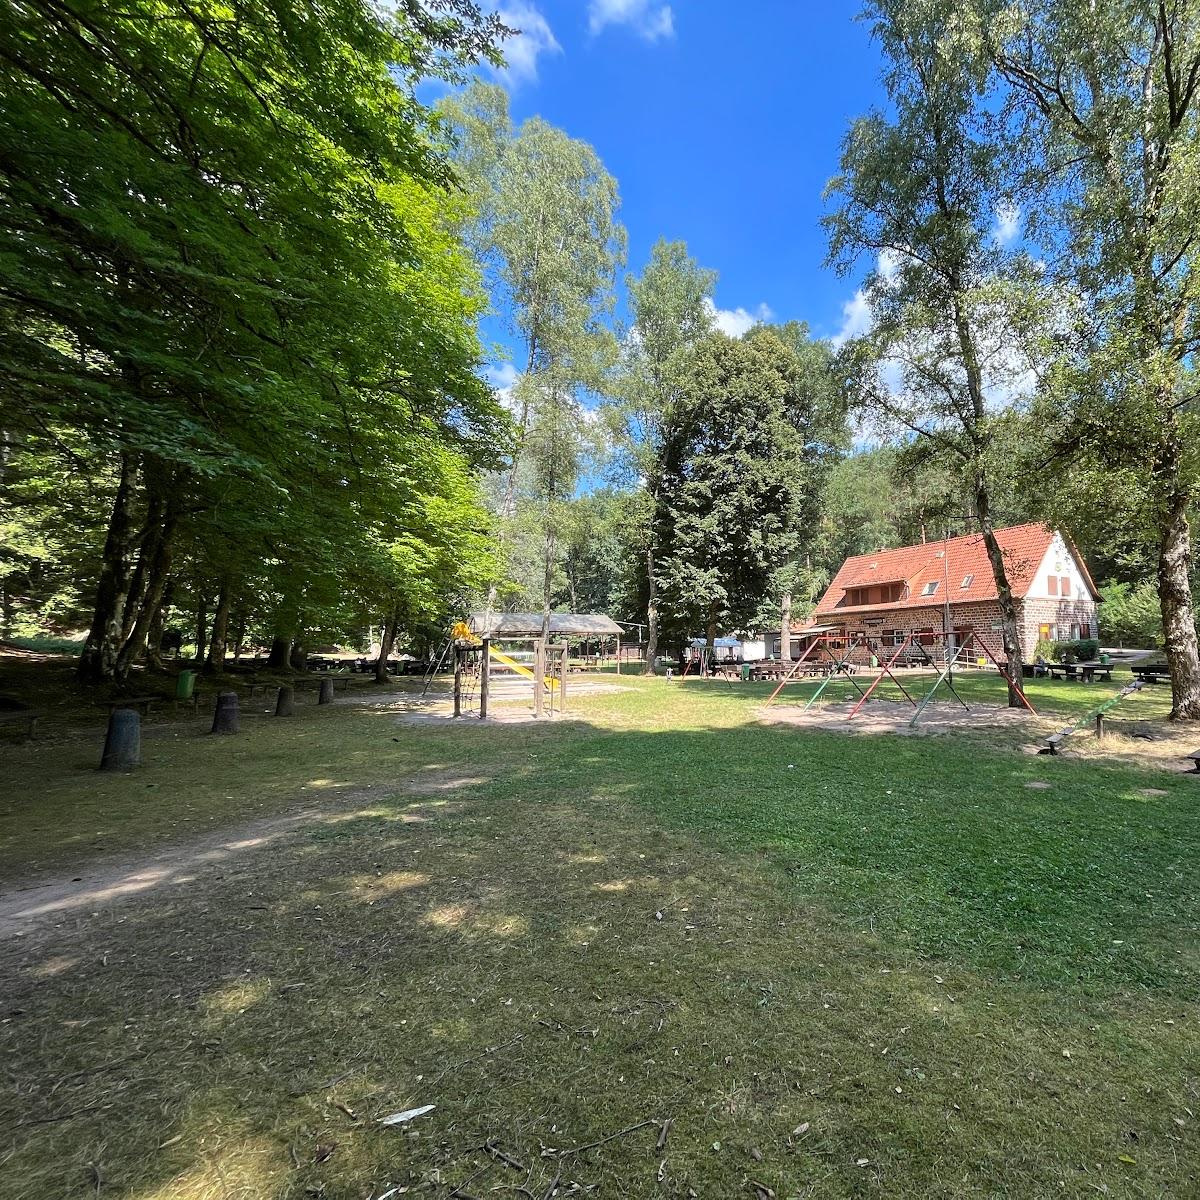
point(956, 319)
point(1106, 101)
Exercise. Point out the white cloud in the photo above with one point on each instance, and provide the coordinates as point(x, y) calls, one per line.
point(533, 38)
point(1008, 224)
point(645, 17)
point(856, 319)
point(503, 378)
point(737, 322)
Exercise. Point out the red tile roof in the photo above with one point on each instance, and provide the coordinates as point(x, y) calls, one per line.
point(1023, 546)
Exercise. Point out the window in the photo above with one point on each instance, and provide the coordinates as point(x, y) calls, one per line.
point(1085, 631)
point(898, 637)
point(1064, 585)
point(930, 588)
point(967, 581)
point(1052, 584)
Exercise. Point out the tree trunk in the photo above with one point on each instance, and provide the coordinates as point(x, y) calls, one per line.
point(387, 637)
point(157, 622)
point(785, 628)
point(154, 581)
point(215, 662)
point(281, 649)
point(651, 615)
point(1008, 609)
point(547, 580)
point(1178, 615)
point(239, 634)
point(99, 657)
point(298, 657)
point(201, 629)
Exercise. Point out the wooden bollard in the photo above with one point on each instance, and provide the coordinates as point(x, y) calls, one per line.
point(225, 715)
point(123, 741)
point(326, 694)
point(285, 701)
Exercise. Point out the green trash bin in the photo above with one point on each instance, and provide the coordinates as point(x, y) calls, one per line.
point(874, 662)
point(185, 682)
point(745, 672)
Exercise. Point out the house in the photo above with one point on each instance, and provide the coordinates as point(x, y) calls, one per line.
point(947, 588)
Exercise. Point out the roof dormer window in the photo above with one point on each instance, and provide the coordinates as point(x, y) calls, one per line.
point(967, 581)
point(930, 587)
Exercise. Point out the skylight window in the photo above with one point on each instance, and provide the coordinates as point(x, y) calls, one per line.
point(930, 587)
point(967, 581)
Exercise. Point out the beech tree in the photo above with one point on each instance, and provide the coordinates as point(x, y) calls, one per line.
point(228, 278)
point(736, 478)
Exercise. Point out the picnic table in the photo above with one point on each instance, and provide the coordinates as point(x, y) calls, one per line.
point(21, 717)
point(1085, 672)
point(1152, 672)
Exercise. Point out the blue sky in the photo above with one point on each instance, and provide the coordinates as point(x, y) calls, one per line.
point(720, 119)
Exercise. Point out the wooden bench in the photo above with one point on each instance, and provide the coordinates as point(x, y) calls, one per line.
point(21, 717)
point(1151, 674)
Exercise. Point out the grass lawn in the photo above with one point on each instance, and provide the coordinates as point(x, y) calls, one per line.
point(837, 966)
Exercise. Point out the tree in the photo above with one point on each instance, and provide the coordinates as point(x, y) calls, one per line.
point(545, 226)
point(228, 289)
point(957, 320)
point(735, 471)
point(669, 317)
point(1105, 99)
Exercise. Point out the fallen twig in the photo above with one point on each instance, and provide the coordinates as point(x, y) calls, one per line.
point(610, 1138)
point(458, 1189)
point(491, 1148)
point(482, 1054)
point(662, 1134)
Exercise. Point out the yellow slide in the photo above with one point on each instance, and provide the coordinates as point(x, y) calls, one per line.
point(520, 668)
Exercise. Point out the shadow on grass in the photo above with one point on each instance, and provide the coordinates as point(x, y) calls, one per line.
point(723, 927)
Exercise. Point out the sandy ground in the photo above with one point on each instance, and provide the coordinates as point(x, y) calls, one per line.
point(1154, 744)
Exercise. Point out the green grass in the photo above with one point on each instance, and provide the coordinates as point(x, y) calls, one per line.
point(660, 909)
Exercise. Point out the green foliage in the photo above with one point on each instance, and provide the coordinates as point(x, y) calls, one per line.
point(1130, 614)
point(737, 480)
point(236, 304)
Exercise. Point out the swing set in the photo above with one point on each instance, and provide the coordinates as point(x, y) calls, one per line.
point(838, 651)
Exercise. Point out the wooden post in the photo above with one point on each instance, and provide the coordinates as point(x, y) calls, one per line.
point(284, 700)
point(485, 677)
point(618, 654)
point(539, 674)
point(1100, 727)
point(562, 683)
point(123, 742)
point(325, 695)
point(457, 681)
point(225, 715)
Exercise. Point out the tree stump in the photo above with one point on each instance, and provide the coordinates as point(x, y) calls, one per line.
point(326, 694)
point(123, 741)
point(225, 716)
point(284, 701)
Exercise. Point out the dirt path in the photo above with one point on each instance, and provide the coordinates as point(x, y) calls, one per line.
point(30, 904)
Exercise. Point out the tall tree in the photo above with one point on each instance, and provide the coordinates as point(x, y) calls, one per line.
point(956, 317)
point(735, 471)
point(217, 219)
point(546, 228)
point(1106, 97)
point(669, 316)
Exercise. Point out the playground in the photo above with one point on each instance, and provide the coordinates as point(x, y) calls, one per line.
point(764, 956)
